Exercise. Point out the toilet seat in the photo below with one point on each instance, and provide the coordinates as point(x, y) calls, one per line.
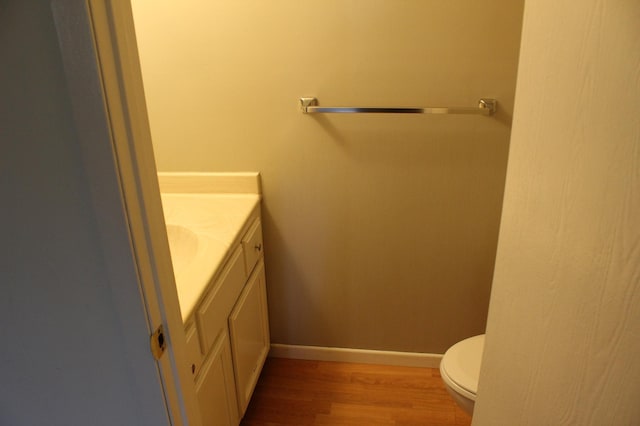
point(460, 366)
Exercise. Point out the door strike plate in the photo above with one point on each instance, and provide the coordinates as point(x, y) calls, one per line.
point(158, 342)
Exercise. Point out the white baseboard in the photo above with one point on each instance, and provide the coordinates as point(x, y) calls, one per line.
point(363, 356)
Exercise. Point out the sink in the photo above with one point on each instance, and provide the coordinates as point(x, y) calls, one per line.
point(183, 244)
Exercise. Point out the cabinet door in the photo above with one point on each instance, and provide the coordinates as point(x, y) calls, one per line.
point(249, 328)
point(215, 386)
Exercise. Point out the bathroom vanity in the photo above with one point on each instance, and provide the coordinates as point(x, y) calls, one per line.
point(215, 237)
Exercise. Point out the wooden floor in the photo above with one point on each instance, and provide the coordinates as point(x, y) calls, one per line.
point(297, 392)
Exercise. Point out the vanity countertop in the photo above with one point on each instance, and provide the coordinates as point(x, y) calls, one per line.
point(202, 228)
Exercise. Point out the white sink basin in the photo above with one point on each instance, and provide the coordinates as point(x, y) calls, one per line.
point(183, 244)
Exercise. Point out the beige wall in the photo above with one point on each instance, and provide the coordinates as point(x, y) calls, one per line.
point(563, 339)
point(380, 230)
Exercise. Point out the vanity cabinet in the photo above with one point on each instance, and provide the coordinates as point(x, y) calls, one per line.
point(228, 334)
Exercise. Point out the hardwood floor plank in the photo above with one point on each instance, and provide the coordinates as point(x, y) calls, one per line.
point(301, 392)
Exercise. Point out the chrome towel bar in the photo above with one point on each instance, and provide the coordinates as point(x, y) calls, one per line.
point(485, 107)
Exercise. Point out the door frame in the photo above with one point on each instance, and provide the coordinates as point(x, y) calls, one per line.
point(100, 57)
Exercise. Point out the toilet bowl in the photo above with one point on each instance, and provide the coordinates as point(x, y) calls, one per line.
point(460, 371)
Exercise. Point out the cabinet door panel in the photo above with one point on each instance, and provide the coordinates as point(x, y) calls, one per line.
point(249, 328)
point(215, 386)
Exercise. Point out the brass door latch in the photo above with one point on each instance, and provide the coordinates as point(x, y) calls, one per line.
point(158, 342)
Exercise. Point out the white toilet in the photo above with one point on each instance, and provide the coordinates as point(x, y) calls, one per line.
point(460, 370)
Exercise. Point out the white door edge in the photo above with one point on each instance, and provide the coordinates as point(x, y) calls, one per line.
point(107, 70)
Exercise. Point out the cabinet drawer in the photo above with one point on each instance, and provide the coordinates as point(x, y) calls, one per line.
point(253, 246)
point(194, 353)
point(214, 311)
